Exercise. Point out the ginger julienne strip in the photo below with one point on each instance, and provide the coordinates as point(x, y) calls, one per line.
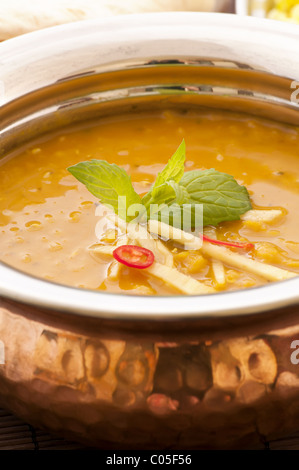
point(180, 281)
point(217, 266)
point(259, 215)
point(271, 273)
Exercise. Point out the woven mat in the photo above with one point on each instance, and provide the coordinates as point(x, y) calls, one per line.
point(17, 435)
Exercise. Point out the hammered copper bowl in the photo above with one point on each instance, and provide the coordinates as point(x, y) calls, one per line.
point(118, 371)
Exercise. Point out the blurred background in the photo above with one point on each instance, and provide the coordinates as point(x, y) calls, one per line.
point(22, 16)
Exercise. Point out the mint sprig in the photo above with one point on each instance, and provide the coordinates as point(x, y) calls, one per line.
point(173, 193)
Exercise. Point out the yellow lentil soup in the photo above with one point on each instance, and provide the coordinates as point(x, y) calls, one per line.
point(48, 218)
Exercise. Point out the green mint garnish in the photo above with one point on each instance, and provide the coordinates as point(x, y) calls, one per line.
point(107, 182)
point(222, 197)
point(173, 192)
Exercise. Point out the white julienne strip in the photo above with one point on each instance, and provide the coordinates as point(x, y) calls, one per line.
point(114, 267)
point(167, 231)
point(217, 266)
point(108, 249)
point(113, 270)
point(271, 273)
point(219, 272)
point(267, 216)
point(139, 234)
point(171, 276)
point(180, 281)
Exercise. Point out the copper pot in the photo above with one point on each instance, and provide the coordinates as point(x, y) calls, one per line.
point(118, 371)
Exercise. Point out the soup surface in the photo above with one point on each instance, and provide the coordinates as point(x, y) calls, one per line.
point(48, 218)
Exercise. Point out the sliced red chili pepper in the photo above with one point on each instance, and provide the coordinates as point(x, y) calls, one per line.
point(134, 256)
point(244, 246)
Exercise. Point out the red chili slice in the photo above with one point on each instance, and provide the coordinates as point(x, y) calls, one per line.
point(244, 246)
point(134, 256)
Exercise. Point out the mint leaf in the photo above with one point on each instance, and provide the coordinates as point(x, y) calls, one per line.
point(170, 215)
point(219, 194)
point(107, 182)
point(168, 193)
point(174, 170)
point(181, 194)
point(167, 202)
point(222, 197)
point(180, 216)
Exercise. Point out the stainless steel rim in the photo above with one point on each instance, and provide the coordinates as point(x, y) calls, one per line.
point(30, 290)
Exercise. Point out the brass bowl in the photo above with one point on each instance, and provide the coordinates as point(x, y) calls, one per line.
point(116, 371)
